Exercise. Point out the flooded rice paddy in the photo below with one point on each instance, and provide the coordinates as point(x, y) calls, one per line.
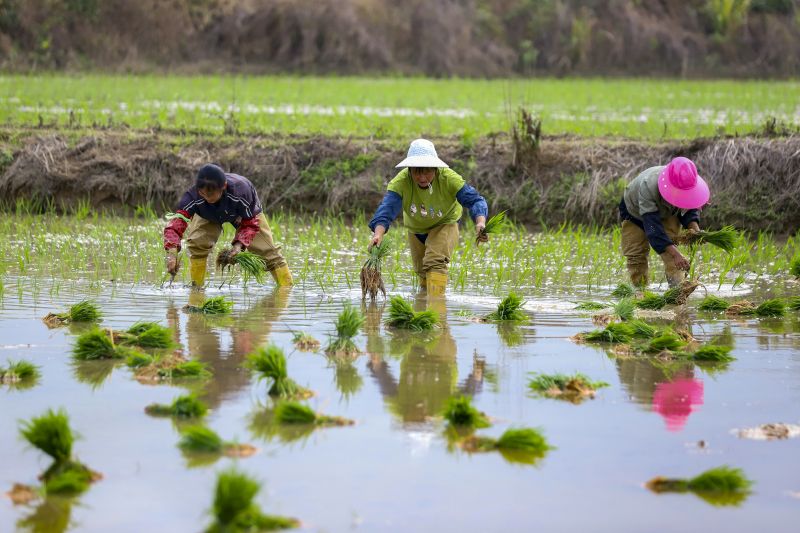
point(395, 469)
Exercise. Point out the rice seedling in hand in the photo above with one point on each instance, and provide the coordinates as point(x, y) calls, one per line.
point(713, 303)
point(252, 265)
point(667, 340)
point(720, 486)
point(305, 342)
point(523, 445)
point(234, 509)
point(494, 225)
point(624, 290)
point(591, 306)
point(96, 344)
point(148, 335)
point(269, 363)
point(509, 309)
point(574, 388)
point(625, 309)
point(297, 413)
point(187, 406)
point(616, 332)
point(371, 280)
point(348, 323)
point(84, 311)
point(19, 373)
point(217, 305)
point(725, 239)
point(403, 316)
point(461, 414)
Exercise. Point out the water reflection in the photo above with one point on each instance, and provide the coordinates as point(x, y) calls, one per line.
point(53, 515)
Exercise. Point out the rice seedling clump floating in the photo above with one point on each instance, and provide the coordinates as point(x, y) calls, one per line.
point(234, 509)
point(203, 441)
point(591, 306)
point(371, 279)
point(51, 434)
point(713, 303)
point(616, 333)
point(768, 309)
point(520, 445)
point(19, 373)
point(305, 342)
point(714, 353)
point(666, 340)
point(510, 309)
point(252, 265)
point(269, 362)
point(625, 309)
point(460, 413)
point(794, 267)
point(721, 486)
point(494, 225)
point(573, 388)
point(403, 316)
point(187, 406)
point(296, 413)
point(725, 239)
point(99, 344)
point(793, 303)
point(149, 368)
point(624, 290)
point(84, 311)
point(348, 323)
point(217, 305)
point(147, 335)
point(651, 301)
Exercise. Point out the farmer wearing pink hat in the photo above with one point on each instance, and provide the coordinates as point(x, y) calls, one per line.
point(654, 207)
point(431, 196)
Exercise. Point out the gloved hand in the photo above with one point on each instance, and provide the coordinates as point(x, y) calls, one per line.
point(172, 262)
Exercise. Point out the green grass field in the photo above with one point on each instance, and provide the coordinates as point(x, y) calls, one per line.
point(398, 107)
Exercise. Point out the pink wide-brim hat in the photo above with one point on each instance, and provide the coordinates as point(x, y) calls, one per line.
point(680, 185)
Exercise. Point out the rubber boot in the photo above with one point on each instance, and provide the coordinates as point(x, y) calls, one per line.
point(437, 284)
point(675, 276)
point(197, 271)
point(639, 274)
point(423, 284)
point(196, 298)
point(282, 276)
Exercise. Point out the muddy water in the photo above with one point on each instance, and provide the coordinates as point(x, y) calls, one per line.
point(393, 470)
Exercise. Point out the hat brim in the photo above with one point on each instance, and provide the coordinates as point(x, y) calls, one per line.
point(693, 198)
point(422, 161)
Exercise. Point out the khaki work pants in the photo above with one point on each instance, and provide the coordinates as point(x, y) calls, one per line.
point(434, 254)
point(636, 250)
point(202, 235)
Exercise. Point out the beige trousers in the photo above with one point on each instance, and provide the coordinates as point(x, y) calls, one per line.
point(636, 249)
point(434, 254)
point(202, 235)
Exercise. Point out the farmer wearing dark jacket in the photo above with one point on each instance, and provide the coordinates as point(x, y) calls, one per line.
point(430, 195)
point(216, 198)
point(654, 207)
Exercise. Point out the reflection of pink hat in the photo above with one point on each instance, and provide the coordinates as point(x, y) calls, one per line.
point(675, 401)
point(680, 185)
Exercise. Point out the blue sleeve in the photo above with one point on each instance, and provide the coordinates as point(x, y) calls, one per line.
point(691, 215)
point(654, 229)
point(474, 202)
point(390, 208)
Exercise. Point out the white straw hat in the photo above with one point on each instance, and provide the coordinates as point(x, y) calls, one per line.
point(422, 154)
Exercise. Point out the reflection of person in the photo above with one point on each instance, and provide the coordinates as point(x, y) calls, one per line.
point(430, 195)
point(654, 206)
point(248, 331)
point(216, 198)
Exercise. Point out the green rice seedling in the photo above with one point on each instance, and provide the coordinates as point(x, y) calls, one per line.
point(523, 445)
point(51, 434)
point(651, 301)
point(642, 329)
point(714, 353)
point(305, 342)
point(139, 360)
point(624, 290)
point(722, 486)
point(84, 311)
point(625, 309)
point(371, 279)
point(252, 265)
point(713, 303)
point(269, 363)
point(793, 303)
point(148, 335)
point(678, 295)
point(403, 316)
point(200, 439)
point(18, 372)
point(509, 309)
point(494, 225)
point(794, 267)
point(725, 239)
point(67, 482)
point(296, 413)
point(95, 344)
point(187, 406)
point(667, 340)
point(217, 305)
point(770, 308)
point(460, 412)
point(591, 306)
point(348, 323)
point(616, 332)
point(184, 369)
point(574, 388)
point(234, 509)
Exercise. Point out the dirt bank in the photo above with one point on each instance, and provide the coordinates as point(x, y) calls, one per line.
point(755, 181)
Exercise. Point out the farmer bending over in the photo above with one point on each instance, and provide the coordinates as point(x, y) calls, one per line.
point(430, 195)
point(216, 198)
point(655, 205)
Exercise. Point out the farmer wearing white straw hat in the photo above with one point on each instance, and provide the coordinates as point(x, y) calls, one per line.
point(430, 196)
point(654, 207)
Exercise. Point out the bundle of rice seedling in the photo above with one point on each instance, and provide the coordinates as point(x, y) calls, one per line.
point(725, 239)
point(495, 224)
point(71, 481)
point(148, 335)
point(305, 342)
point(297, 413)
point(642, 329)
point(183, 369)
point(625, 309)
point(371, 280)
point(793, 303)
point(712, 353)
point(234, 508)
point(252, 265)
point(741, 307)
point(96, 344)
point(719, 486)
point(667, 340)
point(573, 388)
point(187, 406)
point(713, 303)
point(616, 332)
point(524, 445)
point(509, 309)
point(624, 290)
point(769, 308)
point(460, 412)
point(651, 301)
point(347, 325)
point(591, 306)
point(403, 316)
point(218, 305)
point(678, 295)
point(270, 363)
point(200, 439)
point(19, 371)
point(139, 360)
point(794, 267)
point(84, 311)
